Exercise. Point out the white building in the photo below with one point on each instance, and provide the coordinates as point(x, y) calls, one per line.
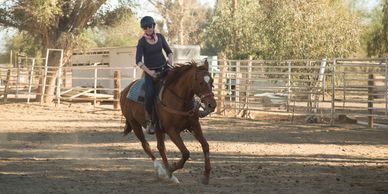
point(109, 60)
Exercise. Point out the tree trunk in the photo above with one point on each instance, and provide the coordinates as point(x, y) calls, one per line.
point(181, 27)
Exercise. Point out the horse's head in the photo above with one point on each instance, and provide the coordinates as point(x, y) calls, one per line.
point(203, 86)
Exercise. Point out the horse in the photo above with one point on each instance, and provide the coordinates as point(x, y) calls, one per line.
point(176, 111)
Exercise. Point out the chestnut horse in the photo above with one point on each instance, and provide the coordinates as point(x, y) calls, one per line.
point(176, 111)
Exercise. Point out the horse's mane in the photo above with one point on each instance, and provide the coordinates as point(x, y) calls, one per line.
point(177, 72)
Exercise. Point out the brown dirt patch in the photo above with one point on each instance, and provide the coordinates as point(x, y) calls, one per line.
point(79, 149)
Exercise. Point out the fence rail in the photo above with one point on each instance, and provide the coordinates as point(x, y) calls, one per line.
point(353, 87)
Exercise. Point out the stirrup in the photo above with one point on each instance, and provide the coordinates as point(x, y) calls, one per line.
point(150, 128)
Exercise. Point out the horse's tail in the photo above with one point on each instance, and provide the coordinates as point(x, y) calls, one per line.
point(124, 104)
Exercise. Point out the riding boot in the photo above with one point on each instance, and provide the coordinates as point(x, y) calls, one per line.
point(150, 127)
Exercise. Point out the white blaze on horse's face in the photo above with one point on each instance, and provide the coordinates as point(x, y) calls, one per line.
point(206, 78)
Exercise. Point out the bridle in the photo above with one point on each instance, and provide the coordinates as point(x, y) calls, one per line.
point(194, 110)
point(203, 96)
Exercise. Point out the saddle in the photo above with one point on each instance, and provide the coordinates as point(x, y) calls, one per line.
point(137, 92)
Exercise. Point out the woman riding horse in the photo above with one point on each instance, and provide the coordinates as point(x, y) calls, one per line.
point(150, 47)
point(177, 111)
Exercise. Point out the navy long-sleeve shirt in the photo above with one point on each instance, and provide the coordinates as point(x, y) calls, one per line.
point(152, 53)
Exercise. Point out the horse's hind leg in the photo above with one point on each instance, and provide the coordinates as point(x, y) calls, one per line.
point(127, 128)
point(140, 135)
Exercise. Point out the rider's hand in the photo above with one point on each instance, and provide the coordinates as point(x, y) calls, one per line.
point(153, 73)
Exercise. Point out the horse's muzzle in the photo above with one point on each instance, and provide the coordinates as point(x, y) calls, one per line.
point(210, 104)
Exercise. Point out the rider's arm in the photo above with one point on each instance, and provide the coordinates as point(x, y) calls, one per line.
point(139, 56)
point(170, 56)
point(167, 49)
point(150, 72)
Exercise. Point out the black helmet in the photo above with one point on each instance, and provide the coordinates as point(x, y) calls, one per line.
point(147, 21)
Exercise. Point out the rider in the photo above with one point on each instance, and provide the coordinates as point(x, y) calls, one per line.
point(149, 48)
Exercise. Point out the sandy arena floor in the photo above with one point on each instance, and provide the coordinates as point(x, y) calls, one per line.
point(79, 149)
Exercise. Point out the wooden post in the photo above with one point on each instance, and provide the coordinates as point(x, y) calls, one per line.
point(117, 86)
point(7, 82)
point(370, 100)
point(221, 82)
point(386, 87)
point(95, 84)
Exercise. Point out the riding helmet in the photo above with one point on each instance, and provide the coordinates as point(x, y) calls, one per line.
point(147, 21)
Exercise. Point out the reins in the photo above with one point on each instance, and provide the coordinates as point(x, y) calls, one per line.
point(192, 112)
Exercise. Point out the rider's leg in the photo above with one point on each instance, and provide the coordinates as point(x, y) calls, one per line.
point(149, 103)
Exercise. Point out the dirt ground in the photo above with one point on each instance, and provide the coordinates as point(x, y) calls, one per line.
point(79, 149)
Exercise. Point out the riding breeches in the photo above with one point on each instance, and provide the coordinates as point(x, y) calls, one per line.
point(149, 86)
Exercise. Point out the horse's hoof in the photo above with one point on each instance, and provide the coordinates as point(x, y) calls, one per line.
point(174, 179)
point(160, 170)
point(204, 180)
point(127, 130)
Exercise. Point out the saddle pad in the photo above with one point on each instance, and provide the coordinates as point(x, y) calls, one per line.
point(136, 92)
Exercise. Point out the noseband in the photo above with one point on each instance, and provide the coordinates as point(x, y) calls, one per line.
point(192, 112)
point(203, 96)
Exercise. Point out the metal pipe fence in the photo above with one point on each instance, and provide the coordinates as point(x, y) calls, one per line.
point(327, 88)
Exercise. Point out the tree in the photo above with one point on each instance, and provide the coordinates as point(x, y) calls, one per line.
point(377, 43)
point(235, 28)
point(55, 24)
point(184, 20)
point(281, 29)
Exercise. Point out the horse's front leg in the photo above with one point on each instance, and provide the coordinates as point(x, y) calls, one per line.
point(177, 140)
point(197, 132)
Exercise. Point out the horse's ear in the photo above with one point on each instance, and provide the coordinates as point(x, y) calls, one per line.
point(206, 64)
point(193, 63)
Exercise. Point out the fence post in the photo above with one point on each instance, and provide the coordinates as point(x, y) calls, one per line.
point(249, 83)
point(30, 80)
point(370, 100)
point(333, 92)
point(386, 86)
point(321, 78)
point(19, 64)
point(117, 88)
point(7, 82)
point(221, 82)
point(246, 113)
point(95, 84)
point(59, 80)
point(42, 92)
point(237, 86)
point(289, 86)
point(344, 89)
